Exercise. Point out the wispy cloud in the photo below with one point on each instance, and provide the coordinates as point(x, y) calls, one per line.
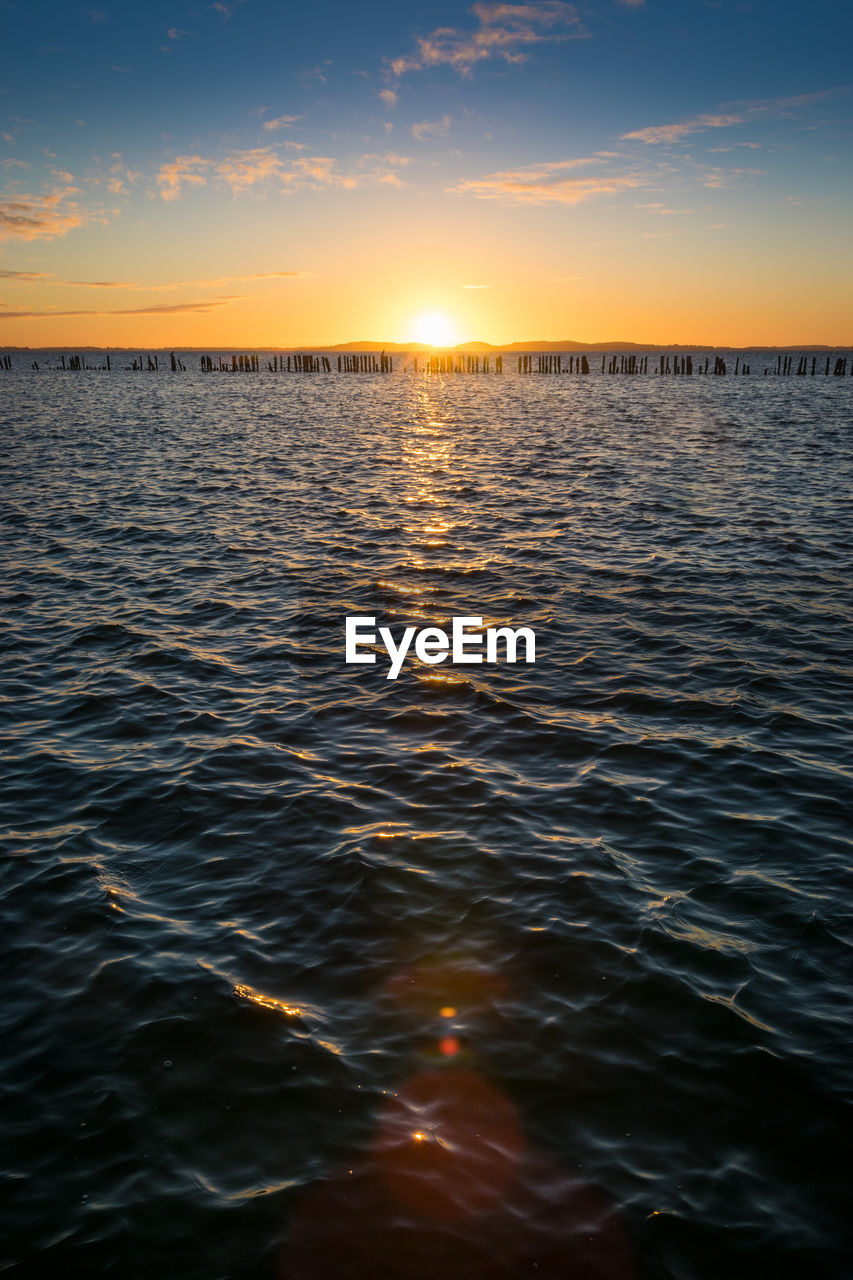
point(118, 177)
point(249, 168)
point(165, 308)
point(174, 34)
point(673, 132)
point(504, 30)
point(660, 211)
point(431, 129)
point(740, 113)
point(389, 157)
point(180, 172)
point(262, 168)
point(221, 280)
point(281, 122)
point(715, 178)
point(45, 216)
point(389, 97)
point(28, 277)
point(226, 10)
point(6, 274)
point(548, 183)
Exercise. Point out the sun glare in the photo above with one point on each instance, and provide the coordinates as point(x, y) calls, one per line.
point(435, 329)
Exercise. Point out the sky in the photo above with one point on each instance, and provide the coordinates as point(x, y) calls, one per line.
point(247, 173)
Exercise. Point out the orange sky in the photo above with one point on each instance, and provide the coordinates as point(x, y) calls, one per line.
point(521, 174)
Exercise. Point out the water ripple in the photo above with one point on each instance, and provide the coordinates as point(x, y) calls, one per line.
point(320, 974)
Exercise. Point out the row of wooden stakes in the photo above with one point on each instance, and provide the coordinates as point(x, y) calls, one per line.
point(298, 363)
point(455, 363)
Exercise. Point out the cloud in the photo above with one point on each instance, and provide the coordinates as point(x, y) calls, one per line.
point(782, 106)
point(97, 284)
point(548, 183)
point(226, 10)
point(742, 112)
point(182, 170)
point(262, 168)
point(660, 211)
point(389, 158)
point(431, 128)
point(317, 172)
point(166, 308)
point(673, 132)
point(118, 177)
point(26, 216)
point(216, 283)
point(389, 97)
point(220, 280)
point(281, 122)
point(724, 177)
point(249, 168)
point(753, 146)
point(504, 31)
point(6, 274)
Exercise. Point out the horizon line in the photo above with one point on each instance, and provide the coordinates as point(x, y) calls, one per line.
point(417, 348)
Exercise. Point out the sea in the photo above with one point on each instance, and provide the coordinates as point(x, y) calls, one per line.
point(535, 969)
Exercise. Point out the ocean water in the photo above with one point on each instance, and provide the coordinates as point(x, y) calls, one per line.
point(486, 972)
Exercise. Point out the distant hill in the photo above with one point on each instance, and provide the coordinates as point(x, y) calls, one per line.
point(421, 348)
point(564, 344)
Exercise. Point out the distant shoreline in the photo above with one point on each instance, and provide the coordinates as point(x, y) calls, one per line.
point(421, 348)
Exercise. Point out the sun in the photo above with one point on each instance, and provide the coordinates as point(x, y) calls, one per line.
point(435, 329)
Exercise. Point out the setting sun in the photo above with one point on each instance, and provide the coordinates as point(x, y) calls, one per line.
point(434, 328)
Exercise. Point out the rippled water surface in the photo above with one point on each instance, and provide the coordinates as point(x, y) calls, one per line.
point(488, 972)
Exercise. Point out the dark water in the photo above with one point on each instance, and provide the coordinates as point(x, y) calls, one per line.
point(582, 927)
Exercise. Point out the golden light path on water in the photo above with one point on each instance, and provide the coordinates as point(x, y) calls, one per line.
point(449, 1145)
